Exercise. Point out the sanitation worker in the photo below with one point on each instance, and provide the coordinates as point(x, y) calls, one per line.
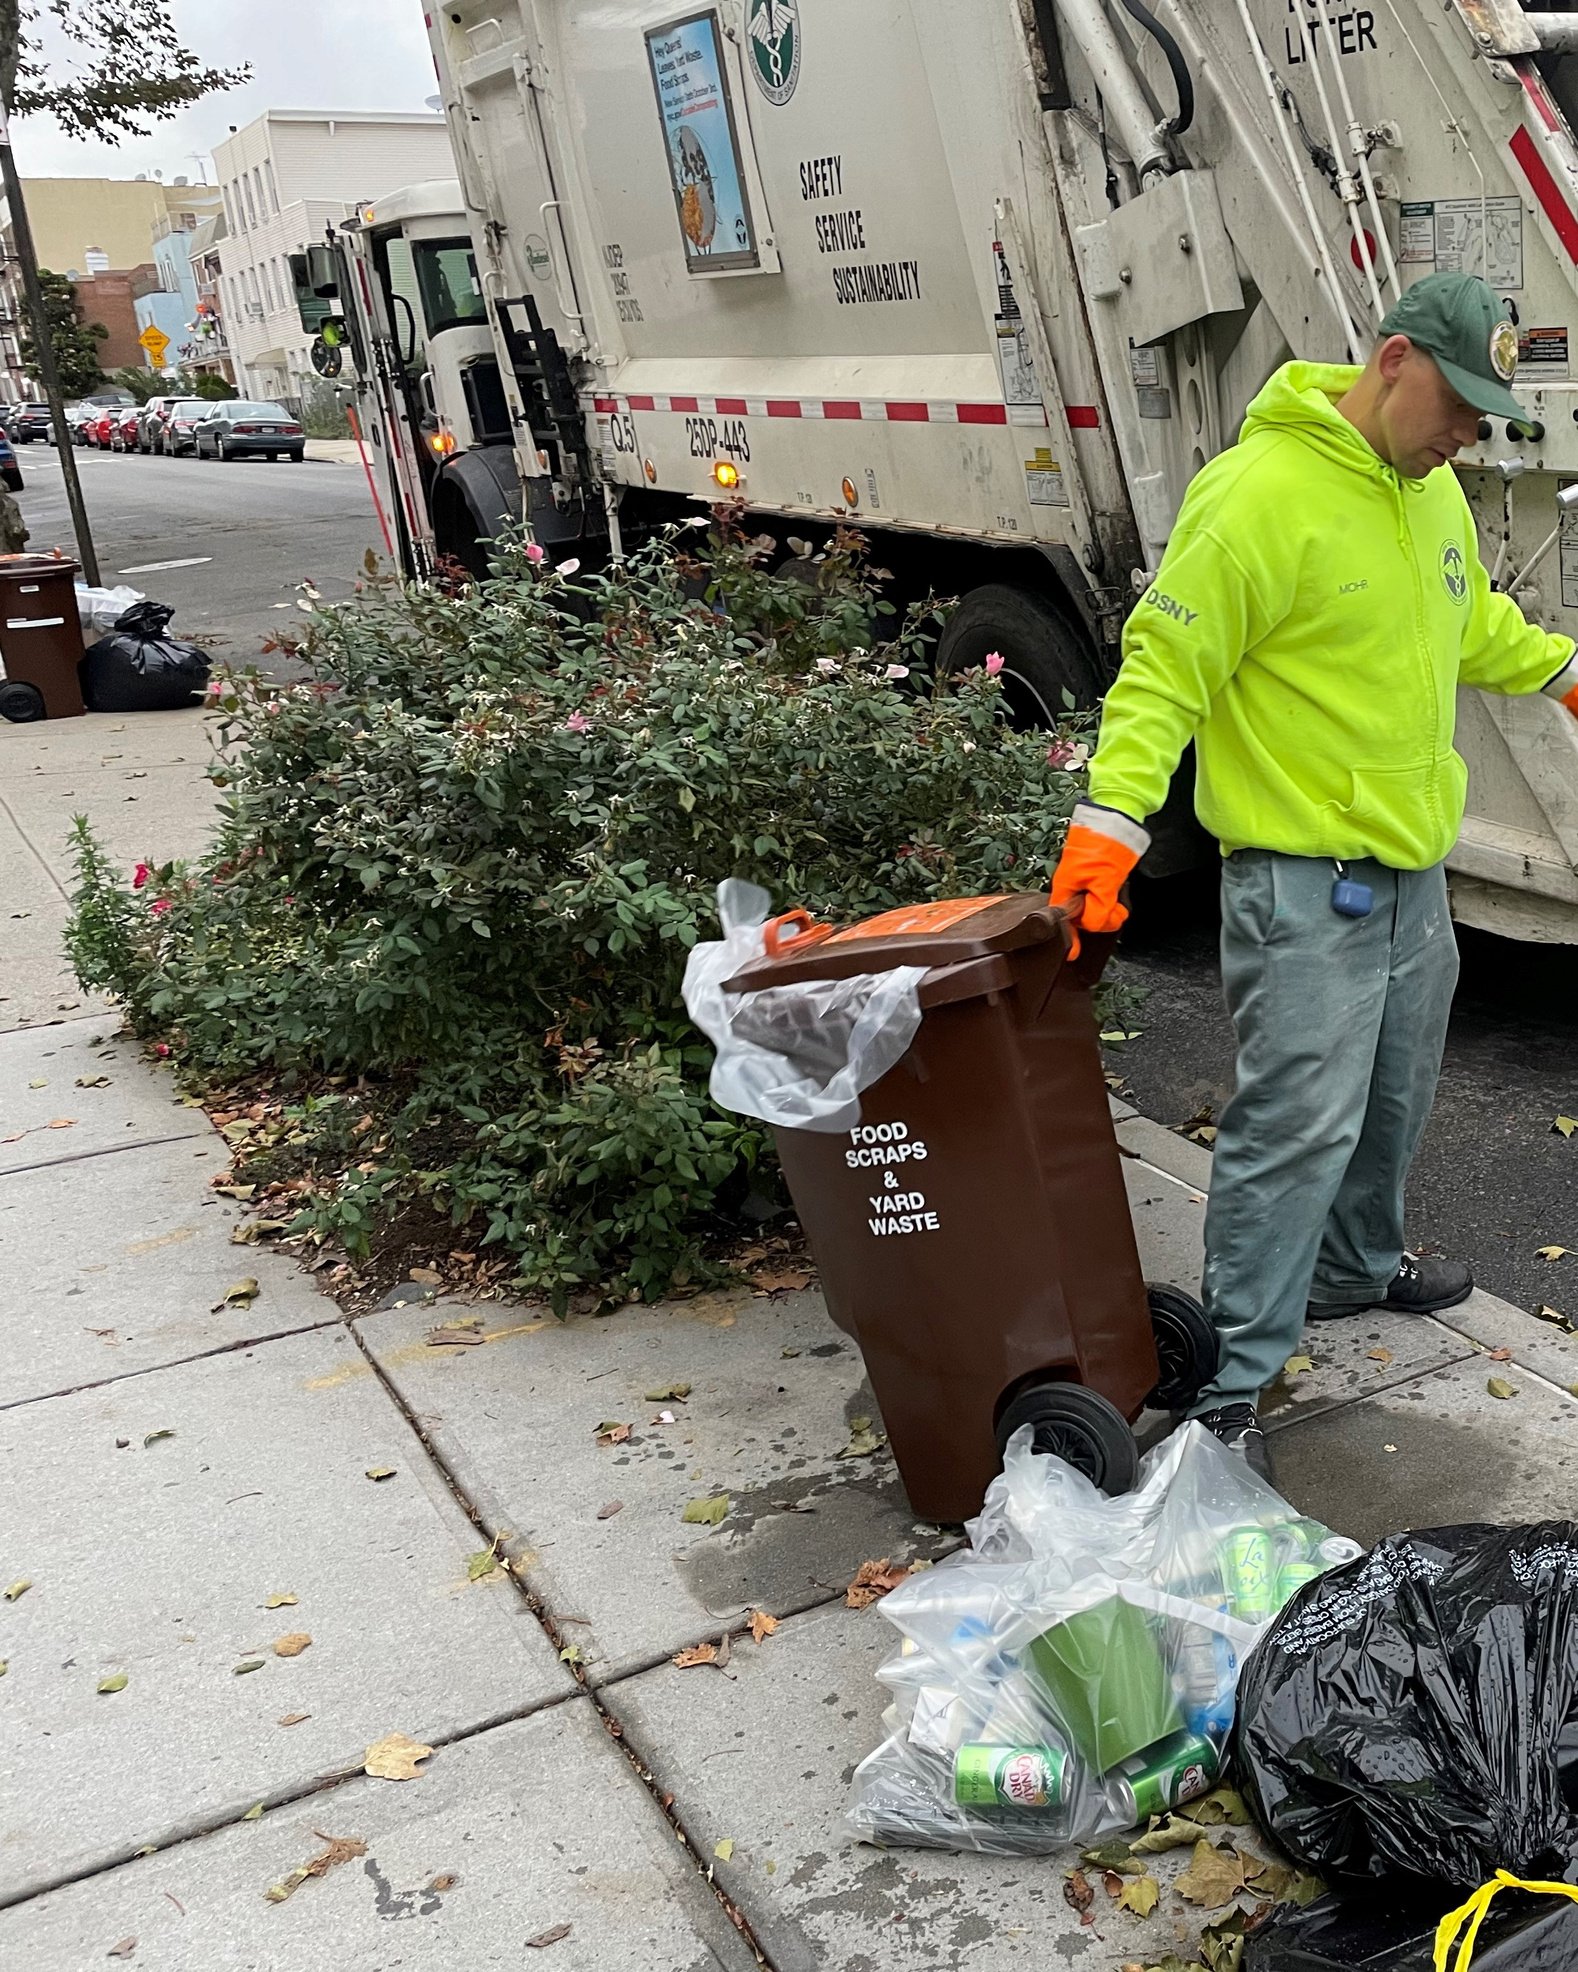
point(1320, 601)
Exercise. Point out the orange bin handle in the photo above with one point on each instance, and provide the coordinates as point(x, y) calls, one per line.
point(805, 931)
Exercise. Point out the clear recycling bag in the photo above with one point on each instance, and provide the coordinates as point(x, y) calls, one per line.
point(795, 1056)
point(1074, 1672)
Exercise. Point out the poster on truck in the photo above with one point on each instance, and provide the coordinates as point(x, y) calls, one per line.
point(686, 59)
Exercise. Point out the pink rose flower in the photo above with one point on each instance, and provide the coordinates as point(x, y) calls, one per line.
point(994, 663)
point(535, 551)
point(577, 723)
point(161, 1049)
point(159, 906)
point(140, 876)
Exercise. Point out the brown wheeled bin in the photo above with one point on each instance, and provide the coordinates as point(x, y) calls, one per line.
point(40, 638)
point(973, 1230)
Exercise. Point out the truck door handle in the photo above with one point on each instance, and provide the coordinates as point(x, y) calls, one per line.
point(557, 206)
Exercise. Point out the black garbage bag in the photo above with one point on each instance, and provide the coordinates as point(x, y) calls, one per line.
point(1412, 1714)
point(1374, 1934)
point(137, 668)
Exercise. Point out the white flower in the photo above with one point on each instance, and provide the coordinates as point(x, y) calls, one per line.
point(827, 666)
point(571, 567)
point(897, 671)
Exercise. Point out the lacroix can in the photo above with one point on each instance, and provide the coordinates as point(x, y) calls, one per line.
point(1249, 1568)
point(1293, 1575)
point(1008, 1776)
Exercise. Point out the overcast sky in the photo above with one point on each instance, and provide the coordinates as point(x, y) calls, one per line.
point(304, 55)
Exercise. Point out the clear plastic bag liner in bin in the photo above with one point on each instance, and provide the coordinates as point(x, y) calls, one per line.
point(1075, 1671)
point(795, 1056)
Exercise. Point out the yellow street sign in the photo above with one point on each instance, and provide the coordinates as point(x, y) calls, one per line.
point(155, 341)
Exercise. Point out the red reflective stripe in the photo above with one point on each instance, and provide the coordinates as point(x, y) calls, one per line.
point(731, 407)
point(684, 404)
point(641, 403)
point(918, 414)
point(982, 414)
point(841, 407)
point(1084, 417)
point(784, 407)
point(1534, 88)
point(1546, 190)
point(605, 403)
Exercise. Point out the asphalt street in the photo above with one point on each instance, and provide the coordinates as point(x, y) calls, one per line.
point(249, 532)
point(1494, 1180)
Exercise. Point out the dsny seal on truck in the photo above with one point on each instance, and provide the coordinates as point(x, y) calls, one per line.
point(991, 279)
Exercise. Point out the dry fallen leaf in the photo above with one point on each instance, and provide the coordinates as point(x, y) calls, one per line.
point(1112, 1858)
point(762, 1625)
point(1297, 1365)
point(1078, 1891)
point(678, 1392)
point(609, 1509)
point(93, 1081)
point(873, 1580)
point(429, 1276)
point(611, 1433)
point(1499, 1356)
point(724, 1850)
point(241, 1295)
point(447, 1881)
point(380, 1472)
point(788, 1283)
point(153, 1437)
point(708, 1512)
point(863, 1441)
point(1546, 1313)
point(1176, 1832)
point(116, 1681)
point(1141, 1894)
point(254, 1814)
point(249, 1664)
point(123, 1950)
point(548, 1937)
point(341, 1848)
point(456, 1335)
point(282, 1600)
point(1382, 1356)
point(1564, 1125)
point(294, 1718)
point(1550, 1252)
point(292, 1645)
point(1214, 1877)
point(396, 1758)
point(1498, 1386)
point(62, 1123)
point(1222, 1804)
point(698, 1653)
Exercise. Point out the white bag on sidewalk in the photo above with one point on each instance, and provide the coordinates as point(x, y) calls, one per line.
point(796, 1056)
point(100, 609)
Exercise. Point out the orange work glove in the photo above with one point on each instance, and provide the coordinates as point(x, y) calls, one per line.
point(1099, 854)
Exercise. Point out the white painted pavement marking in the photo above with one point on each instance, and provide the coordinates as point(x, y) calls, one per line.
point(150, 567)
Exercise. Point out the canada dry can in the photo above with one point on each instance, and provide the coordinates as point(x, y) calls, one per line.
point(1164, 1777)
point(1249, 1569)
point(1008, 1776)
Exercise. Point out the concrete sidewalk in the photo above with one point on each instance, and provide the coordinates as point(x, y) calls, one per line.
point(189, 1480)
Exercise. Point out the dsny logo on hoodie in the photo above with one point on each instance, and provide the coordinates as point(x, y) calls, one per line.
point(1454, 571)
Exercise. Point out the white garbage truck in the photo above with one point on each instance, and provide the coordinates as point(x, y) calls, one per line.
point(990, 279)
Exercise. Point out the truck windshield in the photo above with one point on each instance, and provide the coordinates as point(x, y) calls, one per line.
point(446, 274)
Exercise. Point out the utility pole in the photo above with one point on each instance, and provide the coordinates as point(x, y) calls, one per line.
point(49, 376)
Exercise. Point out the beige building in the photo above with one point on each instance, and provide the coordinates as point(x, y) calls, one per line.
point(86, 228)
point(284, 178)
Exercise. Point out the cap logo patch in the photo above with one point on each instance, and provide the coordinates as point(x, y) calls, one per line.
point(1504, 351)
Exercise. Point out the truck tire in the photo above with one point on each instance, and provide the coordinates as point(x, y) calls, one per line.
point(1043, 655)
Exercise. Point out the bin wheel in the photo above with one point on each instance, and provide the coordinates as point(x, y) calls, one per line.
point(1186, 1348)
point(1079, 1426)
point(21, 703)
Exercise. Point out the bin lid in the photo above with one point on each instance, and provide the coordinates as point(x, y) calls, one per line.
point(26, 567)
point(944, 933)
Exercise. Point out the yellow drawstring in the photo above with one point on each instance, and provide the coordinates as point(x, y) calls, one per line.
point(1472, 1914)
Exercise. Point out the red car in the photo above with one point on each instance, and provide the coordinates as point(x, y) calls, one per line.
point(98, 428)
point(123, 428)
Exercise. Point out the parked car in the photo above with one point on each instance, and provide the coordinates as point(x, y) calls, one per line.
point(78, 418)
point(98, 428)
point(175, 435)
point(10, 471)
point(150, 422)
point(123, 428)
point(25, 422)
point(230, 431)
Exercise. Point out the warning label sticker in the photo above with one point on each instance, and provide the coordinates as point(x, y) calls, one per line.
point(912, 919)
point(1044, 480)
point(1465, 236)
point(1542, 353)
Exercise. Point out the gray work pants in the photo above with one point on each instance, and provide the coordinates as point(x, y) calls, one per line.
point(1340, 1023)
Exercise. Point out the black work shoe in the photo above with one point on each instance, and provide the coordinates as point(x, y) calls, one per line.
point(1421, 1287)
point(1238, 1427)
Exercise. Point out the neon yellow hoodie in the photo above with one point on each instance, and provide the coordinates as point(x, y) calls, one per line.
point(1308, 627)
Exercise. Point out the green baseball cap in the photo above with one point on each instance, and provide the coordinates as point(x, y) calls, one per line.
point(1461, 321)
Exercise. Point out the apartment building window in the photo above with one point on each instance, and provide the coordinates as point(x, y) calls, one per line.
point(271, 268)
point(257, 186)
point(273, 188)
point(230, 211)
point(246, 188)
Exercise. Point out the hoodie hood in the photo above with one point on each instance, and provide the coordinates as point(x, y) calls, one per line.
point(1301, 398)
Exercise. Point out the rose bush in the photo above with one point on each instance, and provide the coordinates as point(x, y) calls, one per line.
point(457, 871)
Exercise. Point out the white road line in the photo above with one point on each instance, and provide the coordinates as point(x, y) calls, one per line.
point(150, 567)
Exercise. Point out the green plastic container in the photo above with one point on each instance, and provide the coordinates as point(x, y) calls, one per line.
point(1108, 1682)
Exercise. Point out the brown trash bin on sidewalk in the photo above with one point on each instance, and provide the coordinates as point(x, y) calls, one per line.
point(973, 1231)
point(40, 638)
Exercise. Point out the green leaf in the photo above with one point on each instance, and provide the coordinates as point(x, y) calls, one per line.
point(248, 1664)
point(1113, 1856)
point(1498, 1386)
point(706, 1512)
point(724, 1850)
point(153, 1437)
point(116, 1681)
point(687, 799)
point(254, 1813)
point(484, 1562)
